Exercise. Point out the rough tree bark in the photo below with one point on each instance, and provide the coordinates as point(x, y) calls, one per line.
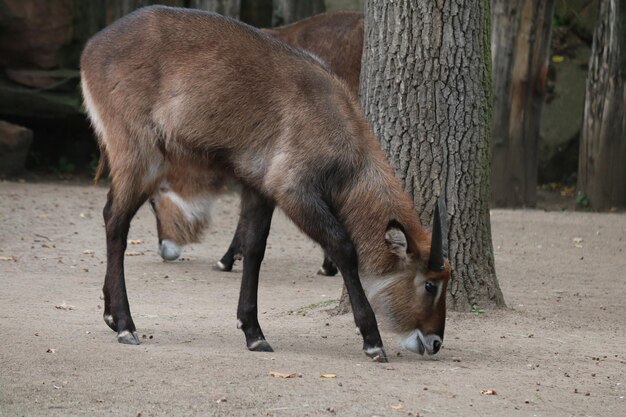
point(288, 11)
point(520, 46)
point(602, 161)
point(426, 89)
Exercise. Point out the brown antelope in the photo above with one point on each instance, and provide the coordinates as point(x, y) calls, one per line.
point(168, 87)
point(183, 202)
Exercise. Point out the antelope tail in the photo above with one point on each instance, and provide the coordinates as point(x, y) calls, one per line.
point(102, 166)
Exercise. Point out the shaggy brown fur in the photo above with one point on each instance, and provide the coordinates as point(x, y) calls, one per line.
point(171, 89)
point(336, 38)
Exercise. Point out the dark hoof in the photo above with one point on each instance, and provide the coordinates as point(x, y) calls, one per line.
point(260, 346)
point(377, 354)
point(128, 338)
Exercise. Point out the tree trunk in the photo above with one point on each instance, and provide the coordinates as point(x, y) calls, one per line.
point(289, 11)
point(118, 8)
point(602, 163)
point(426, 89)
point(520, 46)
point(257, 13)
point(225, 7)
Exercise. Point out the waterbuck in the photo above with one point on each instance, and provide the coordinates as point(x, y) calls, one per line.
point(183, 201)
point(167, 87)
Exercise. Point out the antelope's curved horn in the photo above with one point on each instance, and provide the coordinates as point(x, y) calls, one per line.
point(435, 263)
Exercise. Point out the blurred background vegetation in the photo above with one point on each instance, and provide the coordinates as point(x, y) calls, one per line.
point(40, 45)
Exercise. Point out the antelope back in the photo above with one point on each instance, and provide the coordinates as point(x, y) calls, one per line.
point(336, 38)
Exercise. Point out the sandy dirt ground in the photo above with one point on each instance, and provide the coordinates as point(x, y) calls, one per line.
point(558, 350)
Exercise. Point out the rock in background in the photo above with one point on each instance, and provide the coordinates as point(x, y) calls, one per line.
point(562, 112)
point(14, 144)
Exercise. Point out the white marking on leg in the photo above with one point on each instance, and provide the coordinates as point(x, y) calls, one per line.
point(197, 208)
point(239, 324)
point(126, 335)
point(373, 351)
point(123, 334)
point(221, 266)
point(109, 320)
point(255, 344)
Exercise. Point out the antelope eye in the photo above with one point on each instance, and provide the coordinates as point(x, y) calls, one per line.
point(430, 287)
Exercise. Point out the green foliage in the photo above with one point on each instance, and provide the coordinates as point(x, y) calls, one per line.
point(559, 21)
point(477, 310)
point(63, 167)
point(582, 200)
point(325, 303)
point(93, 164)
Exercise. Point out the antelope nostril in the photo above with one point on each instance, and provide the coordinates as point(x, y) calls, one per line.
point(436, 346)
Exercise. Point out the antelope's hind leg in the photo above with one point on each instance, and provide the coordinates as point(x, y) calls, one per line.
point(255, 220)
point(116, 309)
point(128, 192)
point(328, 267)
point(233, 253)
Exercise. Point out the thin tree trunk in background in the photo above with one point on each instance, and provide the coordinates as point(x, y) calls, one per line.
point(257, 13)
point(225, 7)
point(602, 161)
point(118, 8)
point(426, 89)
point(520, 47)
point(289, 11)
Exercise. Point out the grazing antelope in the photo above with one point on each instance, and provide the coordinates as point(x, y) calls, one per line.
point(184, 199)
point(167, 87)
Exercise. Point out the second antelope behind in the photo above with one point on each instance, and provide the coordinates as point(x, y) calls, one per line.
point(168, 87)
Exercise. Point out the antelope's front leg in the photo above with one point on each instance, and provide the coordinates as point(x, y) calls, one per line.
point(256, 217)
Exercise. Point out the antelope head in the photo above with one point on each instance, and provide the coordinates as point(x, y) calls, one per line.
point(412, 301)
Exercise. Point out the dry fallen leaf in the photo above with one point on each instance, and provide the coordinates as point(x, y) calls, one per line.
point(398, 407)
point(134, 241)
point(134, 253)
point(328, 376)
point(64, 307)
point(88, 252)
point(488, 392)
point(282, 375)
point(8, 258)
point(50, 350)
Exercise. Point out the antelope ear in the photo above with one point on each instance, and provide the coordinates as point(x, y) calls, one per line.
point(396, 239)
